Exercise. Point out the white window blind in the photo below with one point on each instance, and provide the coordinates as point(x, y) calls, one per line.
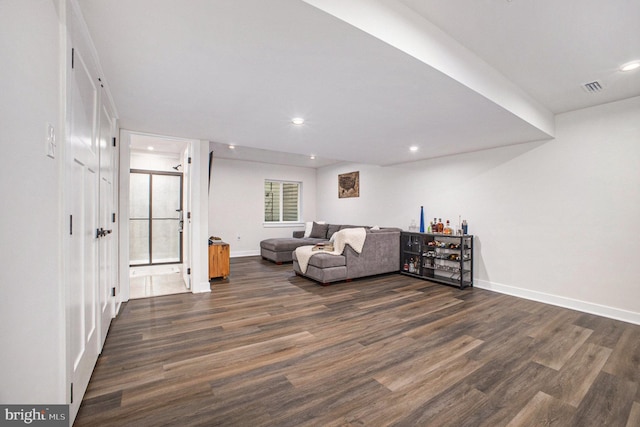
point(281, 201)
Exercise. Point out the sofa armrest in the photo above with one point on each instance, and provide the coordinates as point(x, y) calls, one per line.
point(298, 234)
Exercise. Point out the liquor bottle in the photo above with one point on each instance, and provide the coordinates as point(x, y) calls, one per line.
point(465, 227)
point(430, 228)
point(447, 228)
point(440, 225)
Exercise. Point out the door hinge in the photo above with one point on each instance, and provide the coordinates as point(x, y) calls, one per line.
point(188, 271)
point(71, 393)
point(114, 141)
point(188, 215)
point(113, 217)
point(113, 292)
point(73, 51)
point(71, 225)
point(189, 160)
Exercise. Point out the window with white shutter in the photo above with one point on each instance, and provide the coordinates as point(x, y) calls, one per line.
point(281, 201)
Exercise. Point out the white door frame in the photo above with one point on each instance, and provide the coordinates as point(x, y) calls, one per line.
point(108, 263)
point(199, 212)
point(186, 217)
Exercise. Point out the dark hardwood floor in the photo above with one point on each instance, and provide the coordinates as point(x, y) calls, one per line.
point(267, 348)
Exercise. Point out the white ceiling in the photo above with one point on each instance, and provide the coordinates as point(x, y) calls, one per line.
point(150, 144)
point(549, 48)
point(445, 76)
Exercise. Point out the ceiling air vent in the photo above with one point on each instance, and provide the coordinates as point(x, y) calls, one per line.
point(592, 87)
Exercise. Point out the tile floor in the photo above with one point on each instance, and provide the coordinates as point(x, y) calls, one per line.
point(153, 281)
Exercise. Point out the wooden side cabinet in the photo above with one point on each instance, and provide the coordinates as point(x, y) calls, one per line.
point(218, 260)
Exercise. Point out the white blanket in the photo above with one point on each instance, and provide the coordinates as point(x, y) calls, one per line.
point(353, 237)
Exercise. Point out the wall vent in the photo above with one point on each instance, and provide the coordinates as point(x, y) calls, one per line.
point(593, 87)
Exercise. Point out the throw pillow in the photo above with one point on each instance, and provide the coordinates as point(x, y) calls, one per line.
point(332, 230)
point(319, 231)
point(308, 226)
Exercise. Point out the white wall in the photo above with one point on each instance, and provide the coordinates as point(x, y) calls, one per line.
point(31, 298)
point(155, 162)
point(200, 217)
point(555, 221)
point(236, 202)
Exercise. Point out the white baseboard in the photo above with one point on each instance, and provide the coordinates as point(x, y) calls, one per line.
point(202, 288)
point(239, 254)
point(583, 306)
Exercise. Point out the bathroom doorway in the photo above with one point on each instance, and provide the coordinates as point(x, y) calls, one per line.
point(157, 225)
point(155, 233)
point(155, 215)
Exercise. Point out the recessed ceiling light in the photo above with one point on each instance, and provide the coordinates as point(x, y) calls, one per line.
point(150, 148)
point(630, 66)
point(297, 120)
point(413, 148)
point(312, 157)
point(232, 147)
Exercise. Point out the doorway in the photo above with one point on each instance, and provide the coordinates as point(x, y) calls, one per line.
point(157, 184)
point(155, 233)
point(155, 218)
point(168, 154)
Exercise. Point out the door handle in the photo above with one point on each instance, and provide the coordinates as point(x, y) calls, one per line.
point(101, 232)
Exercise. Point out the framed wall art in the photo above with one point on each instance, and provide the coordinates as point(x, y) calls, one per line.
point(349, 185)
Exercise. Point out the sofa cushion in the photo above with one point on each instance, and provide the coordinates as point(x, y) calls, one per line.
point(319, 231)
point(287, 244)
point(332, 229)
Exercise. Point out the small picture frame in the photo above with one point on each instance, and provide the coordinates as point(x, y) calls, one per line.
point(349, 185)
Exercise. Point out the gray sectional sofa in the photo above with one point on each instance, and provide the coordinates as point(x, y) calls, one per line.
point(380, 254)
point(281, 249)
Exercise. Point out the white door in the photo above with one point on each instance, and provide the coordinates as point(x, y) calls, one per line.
point(81, 191)
point(106, 242)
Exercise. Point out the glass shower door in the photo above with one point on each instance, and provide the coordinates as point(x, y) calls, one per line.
point(139, 220)
point(165, 219)
point(155, 205)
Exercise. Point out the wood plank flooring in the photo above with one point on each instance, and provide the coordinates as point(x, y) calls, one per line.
point(267, 348)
